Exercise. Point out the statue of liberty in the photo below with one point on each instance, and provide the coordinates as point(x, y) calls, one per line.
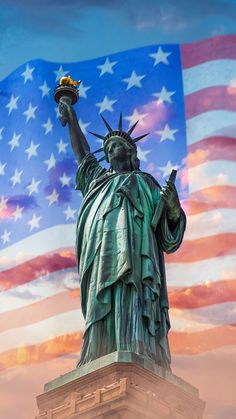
point(119, 247)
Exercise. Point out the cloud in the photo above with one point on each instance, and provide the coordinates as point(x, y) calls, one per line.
point(26, 201)
point(175, 16)
point(67, 165)
point(54, 16)
point(58, 16)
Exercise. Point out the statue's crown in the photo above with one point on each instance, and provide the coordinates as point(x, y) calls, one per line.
point(117, 133)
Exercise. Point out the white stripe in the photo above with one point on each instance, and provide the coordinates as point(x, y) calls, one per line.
point(203, 272)
point(210, 73)
point(194, 320)
point(38, 289)
point(212, 173)
point(50, 239)
point(69, 322)
point(210, 223)
point(209, 124)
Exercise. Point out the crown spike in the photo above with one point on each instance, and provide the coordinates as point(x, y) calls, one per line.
point(132, 128)
point(106, 123)
point(140, 137)
point(102, 137)
point(120, 122)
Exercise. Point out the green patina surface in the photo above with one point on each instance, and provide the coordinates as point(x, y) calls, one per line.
point(120, 258)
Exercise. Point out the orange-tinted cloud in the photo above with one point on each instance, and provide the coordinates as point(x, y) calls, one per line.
point(204, 294)
point(54, 348)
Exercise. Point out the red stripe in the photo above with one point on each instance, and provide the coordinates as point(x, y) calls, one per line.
point(205, 248)
point(202, 295)
point(37, 267)
point(212, 148)
point(41, 310)
point(209, 99)
point(212, 198)
point(199, 342)
point(217, 48)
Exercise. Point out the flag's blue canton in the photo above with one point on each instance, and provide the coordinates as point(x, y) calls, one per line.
point(37, 167)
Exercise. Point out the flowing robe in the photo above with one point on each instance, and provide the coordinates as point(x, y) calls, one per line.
point(121, 267)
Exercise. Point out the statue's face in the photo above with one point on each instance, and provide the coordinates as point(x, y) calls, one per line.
point(117, 149)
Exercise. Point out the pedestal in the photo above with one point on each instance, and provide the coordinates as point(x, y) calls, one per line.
point(121, 385)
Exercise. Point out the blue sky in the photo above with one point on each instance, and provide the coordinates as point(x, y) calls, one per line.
point(74, 30)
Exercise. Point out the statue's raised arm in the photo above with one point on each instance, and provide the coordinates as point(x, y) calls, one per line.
point(79, 143)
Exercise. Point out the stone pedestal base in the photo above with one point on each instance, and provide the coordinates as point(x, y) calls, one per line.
point(121, 385)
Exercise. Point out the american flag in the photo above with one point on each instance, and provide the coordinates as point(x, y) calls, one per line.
point(184, 96)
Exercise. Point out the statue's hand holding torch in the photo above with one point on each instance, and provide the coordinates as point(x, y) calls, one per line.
point(66, 95)
point(66, 110)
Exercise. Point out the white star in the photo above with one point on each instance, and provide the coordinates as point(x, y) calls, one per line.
point(2, 168)
point(60, 73)
point(27, 73)
point(70, 213)
point(61, 146)
point(65, 180)
point(16, 178)
point(48, 126)
point(134, 80)
point(142, 154)
point(33, 186)
point(3, 203)
point(167, 169)
point(160, 56)
point(17, 214)
point(83, 125)
point(12, 104)
point(105, 105)
point(167, 133)
point(53, 197)
point(34, 222)
point(83, 89)
point(1, 130)
point(32, 150)
point(6, 236)
point(45, 89)
point(106, 67)
point(30, 112)
point(56, 109)
point(164, 96)
point(136, 116)
point(51, 162)
point(14, 142)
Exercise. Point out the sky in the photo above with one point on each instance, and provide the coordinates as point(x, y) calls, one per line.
point(75, 30)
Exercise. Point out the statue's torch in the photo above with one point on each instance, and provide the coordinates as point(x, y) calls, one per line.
point(66, 92)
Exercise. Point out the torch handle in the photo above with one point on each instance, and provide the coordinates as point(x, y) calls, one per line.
point(65, 100)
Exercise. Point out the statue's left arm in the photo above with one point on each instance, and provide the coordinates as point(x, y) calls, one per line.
point(170, 230)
